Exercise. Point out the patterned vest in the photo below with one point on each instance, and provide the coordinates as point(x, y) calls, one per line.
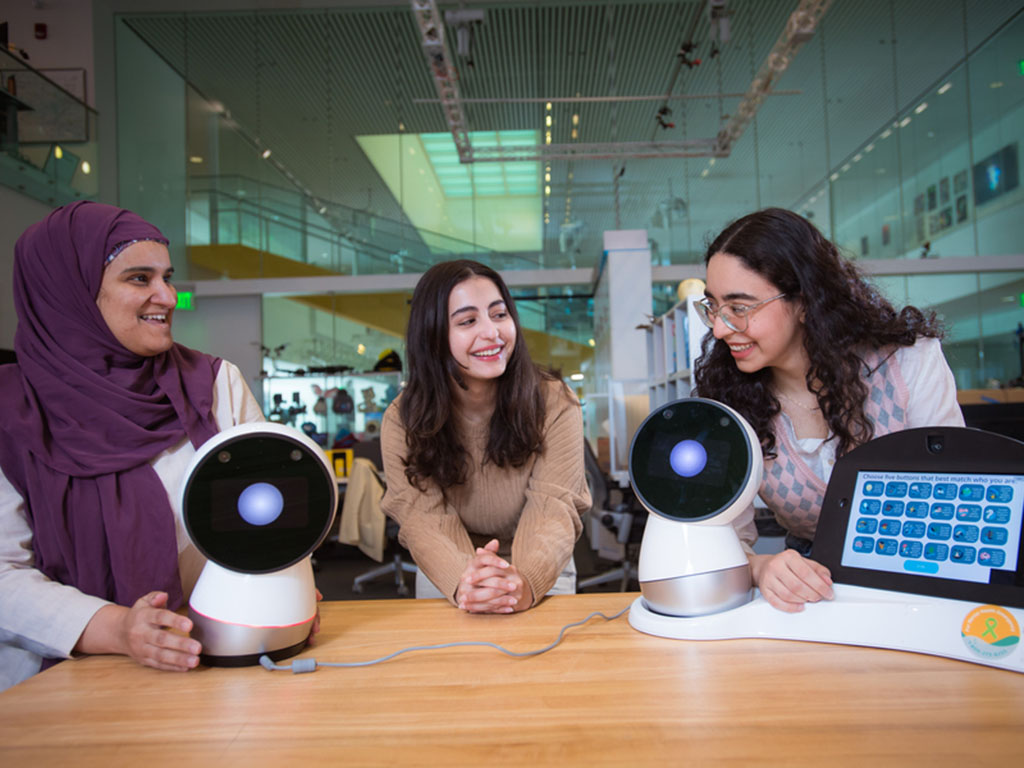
point(791, 489)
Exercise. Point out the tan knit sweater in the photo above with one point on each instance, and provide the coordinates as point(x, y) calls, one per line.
point(534, 510)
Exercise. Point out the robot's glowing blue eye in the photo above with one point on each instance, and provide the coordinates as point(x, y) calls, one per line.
point(688, 458)
point(260, 504)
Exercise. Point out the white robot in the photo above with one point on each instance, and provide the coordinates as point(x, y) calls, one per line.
point(695, 465)
point(257, 500)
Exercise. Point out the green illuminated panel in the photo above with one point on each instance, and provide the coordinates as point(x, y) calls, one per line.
point(488, 205)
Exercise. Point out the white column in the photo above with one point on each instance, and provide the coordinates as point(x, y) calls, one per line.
point(622, 301)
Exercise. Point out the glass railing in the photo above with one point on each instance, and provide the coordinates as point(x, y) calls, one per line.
point(235, 210)
point(48, 143)
point(347, 241)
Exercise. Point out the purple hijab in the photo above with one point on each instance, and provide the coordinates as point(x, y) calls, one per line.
point(82, 416)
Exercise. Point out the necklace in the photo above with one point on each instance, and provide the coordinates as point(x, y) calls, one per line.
point(799, 405)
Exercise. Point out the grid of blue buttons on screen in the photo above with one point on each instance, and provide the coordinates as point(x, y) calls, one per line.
point(925, 523)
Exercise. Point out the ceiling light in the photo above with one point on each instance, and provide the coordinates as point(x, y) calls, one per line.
point(577, 377)
point(575, 119)
point(547, 121)
point(833, 177)
point(591, 342)
point(58, 152)
point(323, 209)
point(920, 107)
point(845, 168)
point(704, 173)
point(886, 133)
point(945, 88)
point(361, 349)
point(266, 153)
point(86, 168)
point(869, 147)
point(857, 157)
point(575, 134)
point(996, 84)
point(548, 106)
point(196, 159)
point(905, 122)
point(547, 189)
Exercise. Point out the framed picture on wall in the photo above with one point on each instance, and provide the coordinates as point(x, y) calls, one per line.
point(919, 204)
point(944, 190)
point(946, 218)
point(933, 223)
point(886, 234)
point(960, 183)
point(961, 208)
point(933, 197)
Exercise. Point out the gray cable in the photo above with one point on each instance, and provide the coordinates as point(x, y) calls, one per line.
point(299, 666)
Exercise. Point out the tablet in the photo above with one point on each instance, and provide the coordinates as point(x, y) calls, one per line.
point(934, 511)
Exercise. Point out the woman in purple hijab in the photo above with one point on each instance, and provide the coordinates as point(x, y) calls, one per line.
point(100, 417)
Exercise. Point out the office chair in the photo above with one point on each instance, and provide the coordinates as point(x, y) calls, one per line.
point(610, 528)
point(370, 450)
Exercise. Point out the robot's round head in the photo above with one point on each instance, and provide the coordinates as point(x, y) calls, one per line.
point(695, 461)
point(258, 498)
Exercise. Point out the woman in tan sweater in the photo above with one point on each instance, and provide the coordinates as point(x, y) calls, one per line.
point(483, 451)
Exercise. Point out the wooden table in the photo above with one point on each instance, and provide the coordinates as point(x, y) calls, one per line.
point(608, 695)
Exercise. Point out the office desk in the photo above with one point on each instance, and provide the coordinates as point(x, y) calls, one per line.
point(608, 695)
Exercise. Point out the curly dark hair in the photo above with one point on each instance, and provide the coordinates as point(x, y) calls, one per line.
point(516, 427)
point(845, 318)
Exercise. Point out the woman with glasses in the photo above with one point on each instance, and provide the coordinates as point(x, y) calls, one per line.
point(818, 362)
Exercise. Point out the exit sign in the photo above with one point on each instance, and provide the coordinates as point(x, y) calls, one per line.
point(185, 301)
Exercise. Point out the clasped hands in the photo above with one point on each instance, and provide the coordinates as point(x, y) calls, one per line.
point(492, 585)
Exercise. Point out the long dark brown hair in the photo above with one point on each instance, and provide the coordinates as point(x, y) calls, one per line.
point(845, 317)
point(516, 427)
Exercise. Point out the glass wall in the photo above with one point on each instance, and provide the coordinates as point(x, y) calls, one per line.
point(315, 144)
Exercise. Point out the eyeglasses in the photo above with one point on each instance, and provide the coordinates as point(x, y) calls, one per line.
point(735, 316)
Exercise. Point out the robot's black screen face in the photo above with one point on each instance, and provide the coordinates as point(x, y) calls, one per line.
point(690, 460)
point(259, 503)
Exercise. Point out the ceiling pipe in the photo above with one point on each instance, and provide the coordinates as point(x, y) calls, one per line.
point(799, 29)
point(443, 72)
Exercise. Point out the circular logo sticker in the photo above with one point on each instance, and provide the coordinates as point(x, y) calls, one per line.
point(990, 632)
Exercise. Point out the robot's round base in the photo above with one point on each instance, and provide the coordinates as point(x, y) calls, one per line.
point(230, 644)
point(697, 594)
point(251, 659)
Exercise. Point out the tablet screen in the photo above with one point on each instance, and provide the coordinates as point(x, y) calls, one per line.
point(964, 527)
point(933, 510)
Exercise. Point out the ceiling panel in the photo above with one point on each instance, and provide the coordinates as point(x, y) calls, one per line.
point(306, 83)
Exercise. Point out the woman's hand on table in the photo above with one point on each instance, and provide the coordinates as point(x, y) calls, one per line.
point(787, 580)
point(316, 620)
point(147, 632)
